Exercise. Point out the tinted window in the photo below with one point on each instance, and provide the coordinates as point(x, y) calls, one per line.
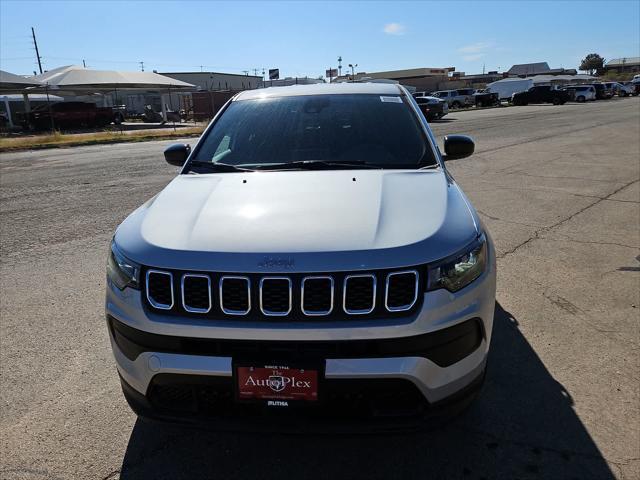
point(376, 129)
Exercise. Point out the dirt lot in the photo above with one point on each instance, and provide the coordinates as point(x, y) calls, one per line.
point(557, 186)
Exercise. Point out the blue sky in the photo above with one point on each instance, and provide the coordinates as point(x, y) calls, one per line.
point(305, 38)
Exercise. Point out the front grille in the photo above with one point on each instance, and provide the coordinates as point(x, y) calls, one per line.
point(295, 296)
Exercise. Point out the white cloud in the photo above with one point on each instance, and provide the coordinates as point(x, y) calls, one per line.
point(394, 29)
point(477, 47)
point(475, 56)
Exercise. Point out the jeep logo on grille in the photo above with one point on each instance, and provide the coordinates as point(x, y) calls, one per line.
point(273, 262)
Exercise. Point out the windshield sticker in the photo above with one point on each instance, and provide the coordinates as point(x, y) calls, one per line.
point(391, 99)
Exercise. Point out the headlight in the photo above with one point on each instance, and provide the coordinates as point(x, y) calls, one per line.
point(122, 271)
point(460, 272)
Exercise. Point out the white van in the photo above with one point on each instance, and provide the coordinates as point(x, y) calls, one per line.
point(508, 86)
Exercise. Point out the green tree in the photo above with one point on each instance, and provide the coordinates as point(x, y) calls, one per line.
point(592, 63)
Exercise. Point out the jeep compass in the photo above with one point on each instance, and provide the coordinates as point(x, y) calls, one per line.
point(312, 260)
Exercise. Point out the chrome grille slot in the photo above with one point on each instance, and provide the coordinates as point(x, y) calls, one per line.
point(235, 295)
point(359, 294)
point(160, 289)
point(317, 295)
point(275, 296)
point(196, 293)
point(401, 292)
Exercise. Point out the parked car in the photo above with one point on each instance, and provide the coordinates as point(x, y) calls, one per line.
point(582, 93)
point(541, 94)
point(68, 115)
point(483, 98)
point(322, 267)
point(433, 108)
point(634, 87)
point(602, 92)
point(507, 87)
point(618, 88)
point(454, 99)
point(623, 90)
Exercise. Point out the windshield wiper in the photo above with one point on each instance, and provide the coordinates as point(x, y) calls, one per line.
point(315, 165)
point(217, 167)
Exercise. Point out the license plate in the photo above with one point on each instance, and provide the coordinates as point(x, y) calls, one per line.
point(277, 384)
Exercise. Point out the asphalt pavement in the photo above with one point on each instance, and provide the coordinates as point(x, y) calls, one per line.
point(558, 187)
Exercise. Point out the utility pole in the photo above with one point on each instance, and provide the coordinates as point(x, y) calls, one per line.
point(340, 65)
point(141, 66)
point(255, 72)
point(353, 71)
point(35, 44)
point(84, 64)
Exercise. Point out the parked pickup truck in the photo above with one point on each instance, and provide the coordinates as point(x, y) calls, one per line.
point(454, 99)
point(541, 94)
point(70, 115)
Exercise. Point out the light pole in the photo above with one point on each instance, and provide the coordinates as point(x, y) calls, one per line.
point(353, 78)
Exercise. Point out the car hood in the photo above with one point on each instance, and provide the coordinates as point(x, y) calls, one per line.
point(303, 220)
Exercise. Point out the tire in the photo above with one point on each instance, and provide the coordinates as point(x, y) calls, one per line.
point(117, 119)
point(580, 99)
point(622, 93)
point(456, 104)
point(556, 101)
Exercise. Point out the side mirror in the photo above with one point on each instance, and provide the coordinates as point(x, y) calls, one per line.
point(177, 154)
point(458, 146)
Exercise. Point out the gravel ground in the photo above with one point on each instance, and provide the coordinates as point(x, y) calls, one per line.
point(557, 186)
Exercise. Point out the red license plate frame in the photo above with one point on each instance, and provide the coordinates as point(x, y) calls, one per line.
point(277, 384)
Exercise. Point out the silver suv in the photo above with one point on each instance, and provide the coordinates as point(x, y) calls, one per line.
point(313, 257)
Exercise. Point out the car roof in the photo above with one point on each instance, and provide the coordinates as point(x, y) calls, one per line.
point(321, 89)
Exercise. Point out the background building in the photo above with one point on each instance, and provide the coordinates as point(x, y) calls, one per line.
point(423, 79)
point(623, 65)
point(540, 68)
point(285, 82)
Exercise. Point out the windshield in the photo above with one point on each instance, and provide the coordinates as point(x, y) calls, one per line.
point(364, 129)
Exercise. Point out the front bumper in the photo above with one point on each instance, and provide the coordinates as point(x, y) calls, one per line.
point(438, 351)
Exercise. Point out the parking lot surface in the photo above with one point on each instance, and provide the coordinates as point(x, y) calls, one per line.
point(558, 187)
